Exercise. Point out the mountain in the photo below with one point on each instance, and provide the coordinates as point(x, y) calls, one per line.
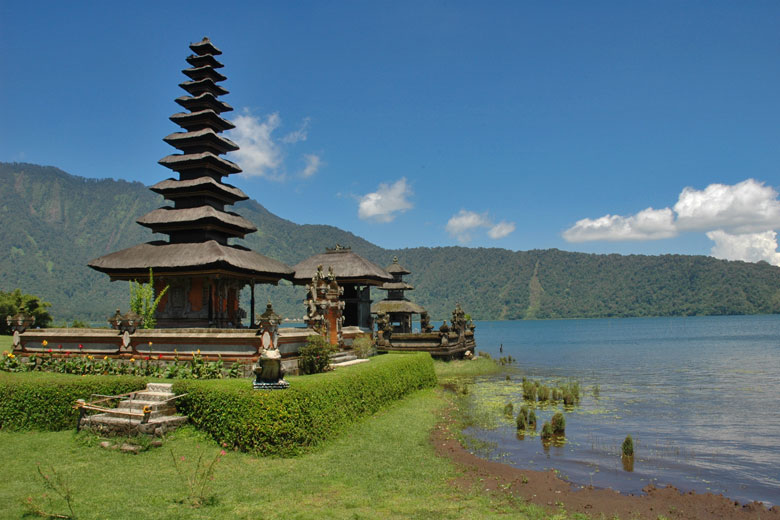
point(52, 223)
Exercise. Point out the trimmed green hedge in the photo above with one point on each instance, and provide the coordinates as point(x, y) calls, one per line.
point(43, 401)
point(314, 408)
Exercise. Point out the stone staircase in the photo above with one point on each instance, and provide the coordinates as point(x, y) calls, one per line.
point(151, 412)
point(344, 358)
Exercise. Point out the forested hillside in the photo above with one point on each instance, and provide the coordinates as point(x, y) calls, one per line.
point(53, 223)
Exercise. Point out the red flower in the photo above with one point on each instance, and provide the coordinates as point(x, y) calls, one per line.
point(146, 358)
point(81, 346)
point(50, 351)
point(159, 356)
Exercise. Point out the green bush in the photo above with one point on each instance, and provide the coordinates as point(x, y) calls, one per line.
point(628, 447)
point(532, 420)
point(558, 423)
point(363, 346)
point(41, 401)
point(544, 393)
point(509, 409)
point(314, 408)
point(315, 356)
point(547, 431)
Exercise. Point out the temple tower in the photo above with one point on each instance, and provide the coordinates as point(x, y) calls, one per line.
point(204, 271)
point(396, 306)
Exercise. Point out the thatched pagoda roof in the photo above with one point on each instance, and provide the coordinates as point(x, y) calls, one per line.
point(206, 71)
point(190, 259)
point(206, 100)
point(167, 218)
point(172, 188)
point(197, 88)
point(203, 60)
point(207, 118)
point(395, 268)
point(205, 139)
point(396, 286)
point(205, 160)
point(205, 47)
point(349, 267)
point(396, 306)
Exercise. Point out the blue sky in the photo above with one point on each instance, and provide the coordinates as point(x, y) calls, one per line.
point(608, 127)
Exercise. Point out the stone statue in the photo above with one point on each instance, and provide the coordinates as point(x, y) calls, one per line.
point(269, 372)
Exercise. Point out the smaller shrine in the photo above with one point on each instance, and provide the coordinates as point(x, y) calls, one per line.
point(399, 310)
point(354, 274)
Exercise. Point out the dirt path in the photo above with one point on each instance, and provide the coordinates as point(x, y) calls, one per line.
point(546, 489)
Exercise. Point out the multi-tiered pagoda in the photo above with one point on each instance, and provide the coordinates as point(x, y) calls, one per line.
point(396, 306)
point(204, 271)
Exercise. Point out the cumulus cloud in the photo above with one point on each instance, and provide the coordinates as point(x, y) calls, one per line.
point(261, 153)
point(648, 224)
point(747, 207)
point(739, 218)
point(501, 229)
point(464, 223)
point(386, 202)
point(750, 247)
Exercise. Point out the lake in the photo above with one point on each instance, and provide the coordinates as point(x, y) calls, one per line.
point(699, 395)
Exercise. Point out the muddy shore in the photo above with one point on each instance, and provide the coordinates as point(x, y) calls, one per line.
point(546, 489)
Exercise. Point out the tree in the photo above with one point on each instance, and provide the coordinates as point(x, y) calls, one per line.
point(14, 302)
point(143, 302)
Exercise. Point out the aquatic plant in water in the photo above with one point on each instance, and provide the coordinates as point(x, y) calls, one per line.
point(532, 420)
point(547, 431)
point(558, 423)
point(509, 409)
point(628, 447)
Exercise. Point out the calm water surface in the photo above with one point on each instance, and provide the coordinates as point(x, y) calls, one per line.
point(700, 396)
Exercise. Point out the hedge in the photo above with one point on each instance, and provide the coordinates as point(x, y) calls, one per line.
point(44, 401)
point(314, 408)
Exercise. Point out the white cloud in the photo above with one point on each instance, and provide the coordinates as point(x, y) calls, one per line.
point(501, 229)
point(739, 218)
point(261, 153)
point(464, 223)
point(750, 247)
point(648, 224)
point(313, 163)
point(747, 207)
point(388, 200)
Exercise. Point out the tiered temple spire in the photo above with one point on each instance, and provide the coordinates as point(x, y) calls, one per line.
point(198, 261)
point(398, 308)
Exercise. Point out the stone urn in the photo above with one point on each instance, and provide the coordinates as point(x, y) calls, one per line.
point(269, 374)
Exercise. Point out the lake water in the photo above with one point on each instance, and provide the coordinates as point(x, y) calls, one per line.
point(699, 395)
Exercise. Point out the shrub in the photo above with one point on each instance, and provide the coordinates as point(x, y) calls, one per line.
point(509, 409)
point(532, 420)
point(547, 431)
point(529, 391)
point(628, 447)
point(558, 423)
point(315, 356)
point(543, 393)
point(522, 422)
point(43, 401)
point(568, 399)
point(314, 408)
point(363, 346)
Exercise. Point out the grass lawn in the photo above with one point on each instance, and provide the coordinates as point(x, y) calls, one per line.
point(6, 342)
point(381, 467)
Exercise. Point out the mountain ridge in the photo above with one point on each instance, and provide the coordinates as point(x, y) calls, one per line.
point(55, 222)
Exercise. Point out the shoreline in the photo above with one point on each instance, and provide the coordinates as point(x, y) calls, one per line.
point(546, 489)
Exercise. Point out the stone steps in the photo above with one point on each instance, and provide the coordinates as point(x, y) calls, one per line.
point(161, 419)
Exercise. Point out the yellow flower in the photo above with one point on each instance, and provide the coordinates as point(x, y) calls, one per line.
point(45, 343)
point(199, 352)
point(132, 360)
point(10, 355)
point(90, 358)
point(105, 358)
point(150, 343)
